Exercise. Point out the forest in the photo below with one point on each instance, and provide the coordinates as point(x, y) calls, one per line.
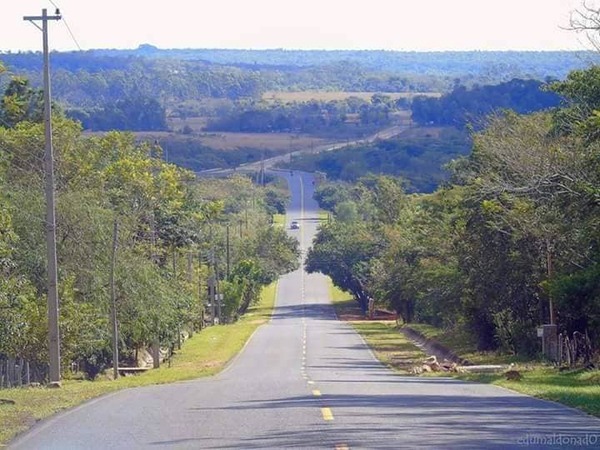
point(463, 106)
point(508, 243)
point(97, 77)
point(123, 214)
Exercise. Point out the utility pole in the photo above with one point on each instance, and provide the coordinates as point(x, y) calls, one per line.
point(53, 328)
point(228, 251)
point(113, 301)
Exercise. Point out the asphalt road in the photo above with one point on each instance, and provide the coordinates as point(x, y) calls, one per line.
point(306, 380)
point(386, 133)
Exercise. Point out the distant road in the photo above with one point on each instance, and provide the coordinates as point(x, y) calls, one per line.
point(307, 380)
point(268, 163)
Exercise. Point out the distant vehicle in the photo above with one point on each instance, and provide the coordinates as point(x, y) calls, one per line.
point(294, 225)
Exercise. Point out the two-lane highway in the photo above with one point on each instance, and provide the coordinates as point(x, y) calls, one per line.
point(306, 380)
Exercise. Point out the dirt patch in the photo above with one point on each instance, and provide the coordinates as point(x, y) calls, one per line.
point(431, 347)
point(355, 314)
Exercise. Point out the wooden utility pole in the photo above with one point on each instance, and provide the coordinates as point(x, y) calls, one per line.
point(113, 301)
point(228, 251)
point(550, 276)
point(53, 327)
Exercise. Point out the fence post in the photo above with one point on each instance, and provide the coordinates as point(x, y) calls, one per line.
point(10, 367)
point(19, 372)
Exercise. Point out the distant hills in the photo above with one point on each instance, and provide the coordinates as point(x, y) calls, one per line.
point(494, 65)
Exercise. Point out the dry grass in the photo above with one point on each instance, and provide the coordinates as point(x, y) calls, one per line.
point(326, 96)
point(284, 142)
point(278, 142)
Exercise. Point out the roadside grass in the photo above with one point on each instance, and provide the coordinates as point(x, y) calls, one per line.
point(579, 389)
point(390, 347)
point(323, 215)
point(279, 220)
point(337, 296)
point(204, 354)
point(464, 345)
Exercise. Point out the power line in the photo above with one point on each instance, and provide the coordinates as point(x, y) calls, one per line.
point(71, 33)
point(67, 25)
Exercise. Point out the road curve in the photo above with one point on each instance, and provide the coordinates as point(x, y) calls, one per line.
point(306, 380)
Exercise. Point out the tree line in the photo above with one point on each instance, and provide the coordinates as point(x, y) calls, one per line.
point(464, 106)
point(329, 118)
point(97, 78)
point(171, 237)
point(511, 241)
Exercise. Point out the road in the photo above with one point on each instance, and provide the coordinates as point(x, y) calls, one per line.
point(306, 380)
point(269, 163)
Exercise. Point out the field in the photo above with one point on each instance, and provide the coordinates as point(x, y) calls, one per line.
point(278, 142)
point(284, 142)
point(326, 96)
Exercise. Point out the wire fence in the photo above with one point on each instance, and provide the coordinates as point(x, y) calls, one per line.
point(17, 372)
point(575, 350)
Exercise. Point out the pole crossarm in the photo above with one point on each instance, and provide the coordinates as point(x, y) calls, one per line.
point(37, 18)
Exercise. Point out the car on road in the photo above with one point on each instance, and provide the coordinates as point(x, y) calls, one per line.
point(294, 225)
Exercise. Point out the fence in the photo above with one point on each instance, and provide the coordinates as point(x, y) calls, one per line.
point(16, 372)
point(576, 350)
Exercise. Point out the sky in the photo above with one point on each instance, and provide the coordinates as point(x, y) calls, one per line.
point(419, 25)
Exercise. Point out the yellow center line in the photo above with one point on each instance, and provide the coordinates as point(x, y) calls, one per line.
point(316, 393)
point(326, 413)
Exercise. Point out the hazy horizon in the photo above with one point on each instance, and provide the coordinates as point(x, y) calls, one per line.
point(433, 26)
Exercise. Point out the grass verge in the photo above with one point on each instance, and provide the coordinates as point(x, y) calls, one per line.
point(390, 347)
point(578, 389)
point(279, 220)
point(205, 354)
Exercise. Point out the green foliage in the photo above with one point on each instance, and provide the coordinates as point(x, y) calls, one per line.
point(343, 252)
point(581, 91)
point(462, 107)
point(177, 76)
point(313, 117)
point(417, 159)
point(164, 216)
point(517, 229)
point(135, 113)
point(20, 103)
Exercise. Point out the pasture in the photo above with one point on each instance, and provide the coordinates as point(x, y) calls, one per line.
point(326, 96)
point(278, 142)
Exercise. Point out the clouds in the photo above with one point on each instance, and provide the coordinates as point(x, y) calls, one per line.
point(330, 24)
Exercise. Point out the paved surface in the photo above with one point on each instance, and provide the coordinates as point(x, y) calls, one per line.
point(307, 380)
point(386, 133)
